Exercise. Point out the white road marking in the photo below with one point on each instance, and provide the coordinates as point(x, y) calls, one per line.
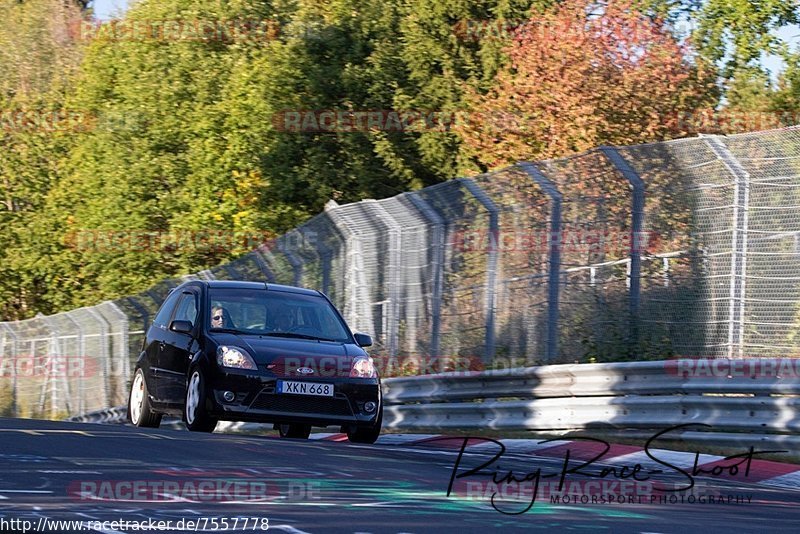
point(24, 491)
point(288, 528)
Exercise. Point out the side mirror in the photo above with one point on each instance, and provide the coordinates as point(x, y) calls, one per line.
point(182, 327)
point(363, 340)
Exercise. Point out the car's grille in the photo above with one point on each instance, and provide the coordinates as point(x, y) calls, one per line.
point(301, 404)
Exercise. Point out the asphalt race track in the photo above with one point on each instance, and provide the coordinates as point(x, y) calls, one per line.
point(95, 473)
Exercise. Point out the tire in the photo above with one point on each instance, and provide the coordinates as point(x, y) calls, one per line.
point(140, 413)
point(294, 430)
point(195, 413)
point(367, 435)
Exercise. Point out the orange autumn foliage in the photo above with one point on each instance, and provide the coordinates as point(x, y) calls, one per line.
point(578, 78)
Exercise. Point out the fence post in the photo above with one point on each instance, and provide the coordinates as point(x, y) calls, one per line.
point(14, 338)
point(206, 274)
point(123, 352)
point(232, 271)
point(82, 355)
point(262, 265)
point(491, 264)
point(741, 200)
point(554, 253)
point(324, 253)
point(142, 311)
point(438, 246)
point(357, 306)
point(105, 354)
point(637, 235)
point(294, 261)
point(395, 251)
point(52, 377)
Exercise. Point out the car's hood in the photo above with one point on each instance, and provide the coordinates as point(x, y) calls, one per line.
point(296, 357)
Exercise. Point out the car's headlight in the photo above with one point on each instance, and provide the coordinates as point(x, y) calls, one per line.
point(363, 367)
point(234, 357)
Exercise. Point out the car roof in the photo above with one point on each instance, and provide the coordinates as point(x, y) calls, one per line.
point(241, 284)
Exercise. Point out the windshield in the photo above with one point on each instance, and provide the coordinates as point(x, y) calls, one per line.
point(275, 313)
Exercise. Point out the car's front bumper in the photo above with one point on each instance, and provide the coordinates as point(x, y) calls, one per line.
point(256, 400)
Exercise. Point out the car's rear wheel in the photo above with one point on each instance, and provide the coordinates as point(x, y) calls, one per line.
point(140, 413)
point(195, 414)
point(294, 430)
point(367, 435)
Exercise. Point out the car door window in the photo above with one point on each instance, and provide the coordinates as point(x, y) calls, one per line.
point(187, 308)
point(166, 310)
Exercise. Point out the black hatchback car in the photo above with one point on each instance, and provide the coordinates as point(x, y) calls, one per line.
point(249, 351)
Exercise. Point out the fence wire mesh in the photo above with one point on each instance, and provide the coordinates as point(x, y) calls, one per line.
point(555, 261)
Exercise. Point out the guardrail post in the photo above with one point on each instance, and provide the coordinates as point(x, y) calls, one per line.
point(491, 263)
point(437, 247)
point(638, 239)
point(554, 254)
point(741, 200)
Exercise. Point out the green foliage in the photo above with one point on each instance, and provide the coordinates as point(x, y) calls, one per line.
point(750, 89)
point(38, 63)
point(738, 32)
point(180, 135)
point(787, 95)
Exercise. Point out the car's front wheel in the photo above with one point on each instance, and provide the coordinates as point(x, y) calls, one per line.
point(294, 430)
point(195, 414)
point(139, 411)
point(367, 435)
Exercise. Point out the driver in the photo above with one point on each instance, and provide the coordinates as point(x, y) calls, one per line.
point(218, 317)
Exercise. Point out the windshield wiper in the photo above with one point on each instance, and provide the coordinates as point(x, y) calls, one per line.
point(296, 335)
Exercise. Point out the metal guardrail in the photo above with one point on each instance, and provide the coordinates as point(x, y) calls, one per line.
point(115, 415)
point(731, 395)
point(670, 377)
point(744, 401)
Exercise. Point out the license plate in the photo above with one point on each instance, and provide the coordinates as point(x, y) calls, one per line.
point(304, 388)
